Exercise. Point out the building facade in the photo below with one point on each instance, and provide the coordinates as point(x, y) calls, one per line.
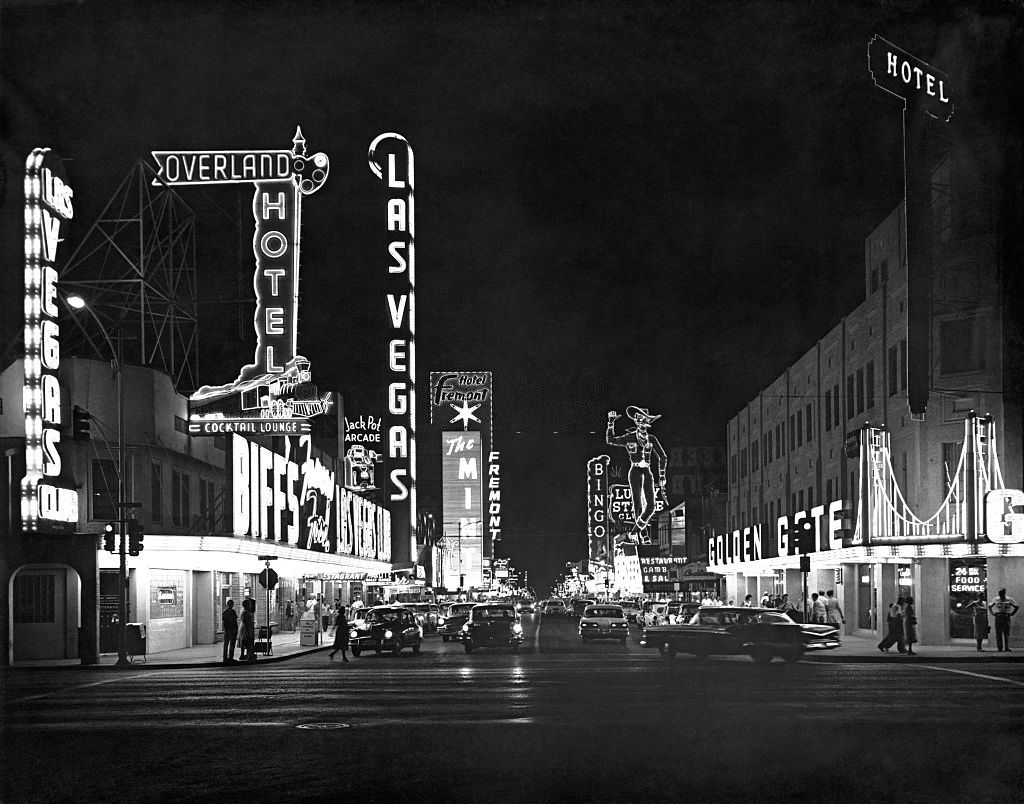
point(209, 507)
point(895, 502)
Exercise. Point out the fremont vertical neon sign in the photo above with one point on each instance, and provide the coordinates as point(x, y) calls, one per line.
point(391, 160)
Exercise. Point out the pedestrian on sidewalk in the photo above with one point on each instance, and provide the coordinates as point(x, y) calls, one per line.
point(340, 636)
point(289, 614)
point(894, 628)
point(1003, 608)
point(229, 619)
point(980, 613)
point(818, 609)
point(910, 625)
point(247, 633)
point(833, 613)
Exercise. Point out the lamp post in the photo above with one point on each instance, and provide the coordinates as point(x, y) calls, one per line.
point(78, 303)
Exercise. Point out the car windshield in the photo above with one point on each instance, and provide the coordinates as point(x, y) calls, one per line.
point(493, 613)
point(603, 611)
point(381, 616)
point(460, 609)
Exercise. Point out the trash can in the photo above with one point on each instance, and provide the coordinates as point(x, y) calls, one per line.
point(135, 637)
point(307, 630)
point(264, 640)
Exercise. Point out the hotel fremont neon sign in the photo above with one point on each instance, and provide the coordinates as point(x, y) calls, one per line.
point(273, 395)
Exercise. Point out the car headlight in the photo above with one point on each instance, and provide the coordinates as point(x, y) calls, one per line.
point(352, 634)
point(440, 620)
point(465, 628)
point(388, 634)
point(517, 628)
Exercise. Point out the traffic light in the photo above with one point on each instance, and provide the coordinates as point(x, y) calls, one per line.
point(135, 535)
point(802, 536)
point(110, 537)
point(80, 424)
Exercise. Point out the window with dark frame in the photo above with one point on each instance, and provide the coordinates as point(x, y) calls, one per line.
point(869, 385)
point(156, 492)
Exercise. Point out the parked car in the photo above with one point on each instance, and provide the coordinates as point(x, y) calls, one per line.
point(603, 621)
point(553, 608)
point(578, 606)
point(427, 614)
point(492, 625)
point(762, 634)
point(383, 628)
point(453, 616)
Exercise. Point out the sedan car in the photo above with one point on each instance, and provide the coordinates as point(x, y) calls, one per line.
point(526, 608)
point(383, 628)
point(453, 616)
point(492, 625)
point(759, 633)
point(427, 614)
point(553, 607)
point(630, 608)
point(603, 622)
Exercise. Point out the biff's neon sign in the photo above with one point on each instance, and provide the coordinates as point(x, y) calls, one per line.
point(276, 387)
point(48, 201)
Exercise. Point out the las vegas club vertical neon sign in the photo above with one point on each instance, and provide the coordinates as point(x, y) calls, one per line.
point(391, 160)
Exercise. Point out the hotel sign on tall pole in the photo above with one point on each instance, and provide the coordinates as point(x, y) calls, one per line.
point(926, 97)
point(391, 160)
point(273, 395)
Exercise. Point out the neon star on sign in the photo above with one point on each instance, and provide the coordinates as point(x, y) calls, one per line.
point(464, 413)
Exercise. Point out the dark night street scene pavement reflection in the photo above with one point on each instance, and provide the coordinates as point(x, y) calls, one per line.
point(512, 402)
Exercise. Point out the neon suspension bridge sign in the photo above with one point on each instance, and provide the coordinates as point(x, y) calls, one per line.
point(273, 395)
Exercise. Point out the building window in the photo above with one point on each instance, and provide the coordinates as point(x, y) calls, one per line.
point(869, 388)
point(778, 442)
point(810, 497)
point(860, 390)
point(950, 462)
point(828, 411)
point(792, 433)
point(849, 397)
point(828, 488)
point(768, 451)
point(810, 427)
point(893, 367)
point(743, 462)
point(104, 489)
point(180, 425)
point(181, 507)
point(903, 364)
point(207, 501)
point(799, 428)
point(755, 456)
point(34, 598)
point(835, 401)
point(156, 492)
point(960, 346)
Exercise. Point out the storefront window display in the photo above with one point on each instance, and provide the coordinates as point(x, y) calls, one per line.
point(866, 597)
point(967, 578)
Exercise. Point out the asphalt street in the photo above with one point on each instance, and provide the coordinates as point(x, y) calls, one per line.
point(560, 721)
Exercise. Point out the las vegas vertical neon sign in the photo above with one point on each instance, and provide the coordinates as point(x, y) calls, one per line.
point(400, 419)
point(48, 201)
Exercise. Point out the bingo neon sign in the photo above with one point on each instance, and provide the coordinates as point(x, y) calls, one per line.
point(44, 506)
point(274, 394)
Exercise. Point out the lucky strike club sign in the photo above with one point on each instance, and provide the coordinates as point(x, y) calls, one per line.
point(294, 498)
point(47, 505)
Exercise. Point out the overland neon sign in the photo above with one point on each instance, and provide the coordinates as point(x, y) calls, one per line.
point(273, 395)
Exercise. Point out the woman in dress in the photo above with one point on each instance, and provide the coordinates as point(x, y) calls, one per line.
point(981, 627)
point(247, 631)
point(340, 635)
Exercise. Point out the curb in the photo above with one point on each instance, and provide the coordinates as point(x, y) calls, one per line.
point(134, 666)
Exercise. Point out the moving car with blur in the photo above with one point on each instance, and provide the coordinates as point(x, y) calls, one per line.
point(603, 621)
point(526, 608)
point(553, 608)
point(453, 616)
point(630, 608)
point(578, 605)
point(492, 625)
point(386, 628)
point(759, 633)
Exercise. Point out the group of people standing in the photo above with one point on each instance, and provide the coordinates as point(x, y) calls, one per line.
point(239, 630)
point(901, 627)
point(1002, 608)
point(821, 607)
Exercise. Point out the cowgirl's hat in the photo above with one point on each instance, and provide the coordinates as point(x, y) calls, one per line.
point(641, 415)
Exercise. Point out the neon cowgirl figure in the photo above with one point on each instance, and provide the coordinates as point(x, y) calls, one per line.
point(639, 443)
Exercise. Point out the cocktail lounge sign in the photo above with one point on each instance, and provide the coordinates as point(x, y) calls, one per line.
point(273, 395)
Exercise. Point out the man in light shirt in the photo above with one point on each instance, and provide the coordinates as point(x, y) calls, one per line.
point(1003, 608)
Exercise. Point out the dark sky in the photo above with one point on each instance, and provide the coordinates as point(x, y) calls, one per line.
point(618, 203)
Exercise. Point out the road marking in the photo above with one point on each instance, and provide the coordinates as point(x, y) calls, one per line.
point(976, 675)
point(536, 638)
point(323, 726)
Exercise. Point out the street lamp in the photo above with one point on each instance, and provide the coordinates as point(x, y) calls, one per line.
point(76, 302)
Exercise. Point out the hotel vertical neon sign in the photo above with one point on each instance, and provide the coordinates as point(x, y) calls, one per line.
point(44, 506)
point(400, 412)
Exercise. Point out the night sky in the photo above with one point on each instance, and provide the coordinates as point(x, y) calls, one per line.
point(660, 204)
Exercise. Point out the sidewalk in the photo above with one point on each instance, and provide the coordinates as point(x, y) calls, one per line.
point(286, 645)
